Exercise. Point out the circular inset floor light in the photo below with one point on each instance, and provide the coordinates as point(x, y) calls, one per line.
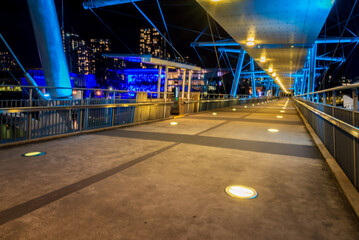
point(245, 106)
point(234, 109)
point(174, 123)
point(273, 130)
point(279, 116)
point(252, 105)
point(214, 114)
point(33, 154)
point(282, 111)
point(239, 191)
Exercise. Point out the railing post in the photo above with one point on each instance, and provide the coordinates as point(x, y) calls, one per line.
point(29, 116)
point(355, 109)
point(355, 100)
point(324, 98)
point(333, 114)
point(159, 82)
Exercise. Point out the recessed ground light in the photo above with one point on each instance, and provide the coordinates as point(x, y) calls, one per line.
point(215, 114)
point(33, 154)
point(282, 111)
point(245, 106)
point(253, 105)
point(279, 116)
point(234, 109)
point(273, 130)
point(239, 191)
point(174, 123)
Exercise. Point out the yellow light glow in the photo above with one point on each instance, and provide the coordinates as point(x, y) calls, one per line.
point(214, 114)
point(263, 59)
point(234, 109)
point(279, 116)
point(33, 154)
point(273, 130)
point(270, 69)
point(239, 191)
point(252, 105)
point(250, 39)
point(277, 78)
point(250, 43)
point(274, 74)
point(282, 111)
point(174, 123)
point(245, 106)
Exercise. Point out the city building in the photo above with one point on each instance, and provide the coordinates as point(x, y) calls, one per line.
point(7, 62)
point(151, 42)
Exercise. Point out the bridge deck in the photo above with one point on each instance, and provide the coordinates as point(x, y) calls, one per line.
point(158, 181)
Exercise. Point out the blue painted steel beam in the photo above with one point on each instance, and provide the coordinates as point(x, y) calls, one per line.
point(253, 81)
point(49, 43)
point(238, 73)
point(332, 59)
point(312, 65)
point(318, 41)
point(104, 3)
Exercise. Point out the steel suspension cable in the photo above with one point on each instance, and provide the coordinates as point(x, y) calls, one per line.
point(153, 25)
point(341, 36)
point(215, 50)
point(108, 27)
point(164, 22)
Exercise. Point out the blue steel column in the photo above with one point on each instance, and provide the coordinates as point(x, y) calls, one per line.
point(49, 43)
point(238, 73)
point(254, 92)
point(312, 66)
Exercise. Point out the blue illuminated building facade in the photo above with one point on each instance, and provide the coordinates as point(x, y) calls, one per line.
point(144, 80)
point(77, 80)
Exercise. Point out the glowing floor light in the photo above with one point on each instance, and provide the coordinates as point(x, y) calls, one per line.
point(174, 123)
point(33, 154)
point(273, 130)
point(234, 109)
point(239, 191)
point(245, 106)
point(279, 116)
point(214, 114)
point(282, 111)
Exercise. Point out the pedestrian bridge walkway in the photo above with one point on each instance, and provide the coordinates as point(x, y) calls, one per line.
point(166, 180)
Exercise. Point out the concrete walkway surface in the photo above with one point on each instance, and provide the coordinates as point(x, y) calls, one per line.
point(163, 181)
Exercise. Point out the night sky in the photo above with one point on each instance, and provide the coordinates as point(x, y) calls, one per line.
point(125, 21)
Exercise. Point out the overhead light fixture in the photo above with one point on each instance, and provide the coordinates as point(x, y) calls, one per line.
point(239, 191)
point(274, 74)
point(270, 69)
point(263, 59)
point(277, 78)
point(250, 41)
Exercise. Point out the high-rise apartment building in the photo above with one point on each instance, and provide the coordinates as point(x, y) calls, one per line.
point(7, 62)
point(151, 42)
point(98, 47)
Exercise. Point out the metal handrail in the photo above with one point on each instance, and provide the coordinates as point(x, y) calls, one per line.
point(352, 130)
point(33, 109)
point(351, 86)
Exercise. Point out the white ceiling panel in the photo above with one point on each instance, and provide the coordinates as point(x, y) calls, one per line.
point(272, 22)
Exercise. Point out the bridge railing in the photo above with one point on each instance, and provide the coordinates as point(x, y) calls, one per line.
point(28, 119)
point(333, 115)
